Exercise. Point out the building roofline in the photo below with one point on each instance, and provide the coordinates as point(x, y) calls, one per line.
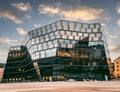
point(62, 20)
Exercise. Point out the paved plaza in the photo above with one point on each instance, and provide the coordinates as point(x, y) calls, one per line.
point(93, 86)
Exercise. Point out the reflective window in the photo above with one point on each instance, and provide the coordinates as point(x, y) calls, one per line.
point(70, 37)
point(85, 34)
point(35, 48)
point(71, 23)
point(80, 34)
point(65, 27)
point(95, 30)
point(39, 47)
point(91, 25)
point(91, 35)
point(42, 54)
point(77, 28)
point(53, 25)
point(82, 30)
point(33, 56)
point(37, 55)
point(54, 29)
point(48, 27)
point(97, 25)
point(96, 38)
point(78, 25)
point(37, 39)
point(58, 23)
point(30, 34)
point(89, 30)
point(99, 35)
point(35, 33)
point(39, 31)
point(64, 23)
point(74, 33)
point(41, 39)
point(33, 41)
point(85, 25)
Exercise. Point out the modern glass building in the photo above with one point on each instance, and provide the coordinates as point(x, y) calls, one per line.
point(66, 50)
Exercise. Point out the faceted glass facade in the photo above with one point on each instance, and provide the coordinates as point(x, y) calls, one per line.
point(44, 40)
point(69, 50)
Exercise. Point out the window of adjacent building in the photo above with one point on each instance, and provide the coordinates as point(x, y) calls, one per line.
point(117, 69)
point(117, 66)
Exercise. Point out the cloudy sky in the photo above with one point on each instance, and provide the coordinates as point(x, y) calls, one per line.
point(17, 17)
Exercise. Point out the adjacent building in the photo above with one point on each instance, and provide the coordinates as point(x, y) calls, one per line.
point(117, 68)
point(64, 50)
point(19, 65)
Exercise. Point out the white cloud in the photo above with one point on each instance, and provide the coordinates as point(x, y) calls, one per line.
point(48, 10)
point(112, 36)
point(103, 24)
point(82, 13)
point(11, 16)
point(115, 48)
point(28, 16)
point(118, 10)
point(37, 25)
point(8, 41)
point(21, 6)
point(21, 31)
point(2, 53)
point(118, 22)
